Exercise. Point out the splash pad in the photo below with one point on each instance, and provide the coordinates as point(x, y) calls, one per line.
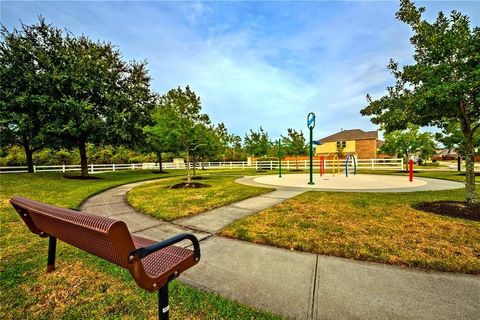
point(356, 183)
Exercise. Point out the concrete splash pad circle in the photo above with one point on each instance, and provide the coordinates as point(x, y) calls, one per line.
point(357, 183)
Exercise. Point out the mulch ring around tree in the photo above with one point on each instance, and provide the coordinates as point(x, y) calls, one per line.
point(193, 185)
point(406, 171)
point(197, 178)
point(77, 177)
point(454, 209)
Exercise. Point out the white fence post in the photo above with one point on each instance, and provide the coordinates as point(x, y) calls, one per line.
point(63, 168)
point(305, 164)
point(91, 168)
point(288, 165)
point(271, 165)
point(34, 168)
point(373, 164)
point(243, 165)
point(401, 164)
point(113, 166)
point(230, 164)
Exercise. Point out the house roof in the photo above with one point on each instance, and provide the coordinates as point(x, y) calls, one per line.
point(446, 152)
point(353, 134)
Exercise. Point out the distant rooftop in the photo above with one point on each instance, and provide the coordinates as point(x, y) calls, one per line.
point(353, 134)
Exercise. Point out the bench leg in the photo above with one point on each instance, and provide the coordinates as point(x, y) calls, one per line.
point(52, 248)
point(163, 307)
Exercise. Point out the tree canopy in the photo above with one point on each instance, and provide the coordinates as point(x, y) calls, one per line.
point(27, 58)
point(294, 143)
point(69, 90)
point(452, 138)
point(183, 121)
point(257, 143)
point(441, 86)
point(409, 142)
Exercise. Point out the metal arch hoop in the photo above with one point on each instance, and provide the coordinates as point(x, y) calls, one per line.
point(311, 119)
point(354, 165)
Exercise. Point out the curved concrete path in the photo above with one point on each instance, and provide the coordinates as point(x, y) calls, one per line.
point(295, 284)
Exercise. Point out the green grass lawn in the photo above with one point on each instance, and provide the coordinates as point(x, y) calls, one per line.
point(83, 286)
point(379, 227)
point(159, 200)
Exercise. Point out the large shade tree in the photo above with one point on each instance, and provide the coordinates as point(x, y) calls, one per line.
point(27, 63)
point(441, 86)
point(100, 98)
point(62, 90)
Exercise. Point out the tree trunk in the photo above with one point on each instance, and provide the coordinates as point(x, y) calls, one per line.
point(468, 132)
point(189, 179)
point(470, 171)
point(83, 158)
point(160, 163)
point(29, 157)
point(28, 154)
point(194, 166)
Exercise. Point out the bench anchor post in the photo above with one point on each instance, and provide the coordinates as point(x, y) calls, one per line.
point(163, 307)
point(52, 248)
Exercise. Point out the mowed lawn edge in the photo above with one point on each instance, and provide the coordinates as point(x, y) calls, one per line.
point(375, 227)
point(157, 199)
point(83, 286)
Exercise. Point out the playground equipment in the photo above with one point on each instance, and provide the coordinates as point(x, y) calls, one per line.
point(311, 125)
point(333, 164)
point(354, 165)
point(322, 166)
point(410, 167)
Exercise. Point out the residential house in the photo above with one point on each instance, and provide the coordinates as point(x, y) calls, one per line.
point(362, 144)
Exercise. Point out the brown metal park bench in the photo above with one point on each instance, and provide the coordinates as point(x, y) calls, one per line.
point(152, 265)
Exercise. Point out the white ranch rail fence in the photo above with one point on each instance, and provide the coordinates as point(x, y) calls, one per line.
point(362, 164)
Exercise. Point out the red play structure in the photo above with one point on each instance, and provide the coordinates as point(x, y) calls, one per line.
point(322, 166)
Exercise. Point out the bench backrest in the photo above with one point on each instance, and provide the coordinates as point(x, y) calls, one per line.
point(104, 237)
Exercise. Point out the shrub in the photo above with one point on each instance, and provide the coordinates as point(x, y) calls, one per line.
point(15, 156)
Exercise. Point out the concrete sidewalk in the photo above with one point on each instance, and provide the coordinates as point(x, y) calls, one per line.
point(295, 284)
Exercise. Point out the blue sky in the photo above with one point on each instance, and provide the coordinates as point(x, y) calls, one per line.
point(254, 63)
